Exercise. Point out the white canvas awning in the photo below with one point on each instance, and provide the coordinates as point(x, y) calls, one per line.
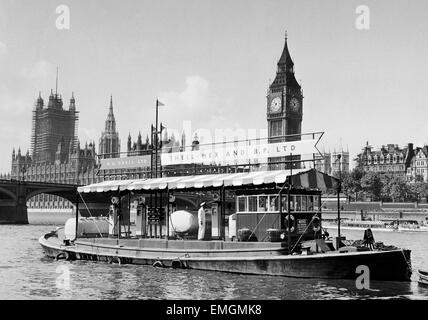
point(190, 182)
point(105, 186)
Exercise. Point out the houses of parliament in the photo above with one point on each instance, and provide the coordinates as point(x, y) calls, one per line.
point(56, 154)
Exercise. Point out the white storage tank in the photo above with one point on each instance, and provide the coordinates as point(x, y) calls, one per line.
point(184, 222)
point(87, 227)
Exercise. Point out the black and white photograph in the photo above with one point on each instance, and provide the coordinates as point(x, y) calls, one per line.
point(233, 152)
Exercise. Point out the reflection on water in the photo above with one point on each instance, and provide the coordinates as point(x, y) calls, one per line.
point(26, 274)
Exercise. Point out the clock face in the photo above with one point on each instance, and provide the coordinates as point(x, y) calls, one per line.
point(294, 104)
point(275, 105)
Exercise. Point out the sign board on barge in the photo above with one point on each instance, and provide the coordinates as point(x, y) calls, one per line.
point(236, 155)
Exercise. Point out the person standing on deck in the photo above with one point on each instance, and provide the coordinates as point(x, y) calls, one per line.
point(201, 221)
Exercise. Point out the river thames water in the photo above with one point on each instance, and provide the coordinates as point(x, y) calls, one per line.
point(26, 274)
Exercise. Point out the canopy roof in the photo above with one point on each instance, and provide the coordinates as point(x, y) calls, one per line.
point(314, 179)
point(311, 179)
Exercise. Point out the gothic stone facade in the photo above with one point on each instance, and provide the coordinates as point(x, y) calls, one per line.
point(329, 162)
point(56, 155)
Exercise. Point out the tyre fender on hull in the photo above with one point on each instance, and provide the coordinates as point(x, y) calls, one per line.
point(158, 264)
point(114, 259)
point(63, 255)
point(177, 264)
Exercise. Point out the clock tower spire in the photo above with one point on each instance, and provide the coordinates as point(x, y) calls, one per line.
point(284, 106)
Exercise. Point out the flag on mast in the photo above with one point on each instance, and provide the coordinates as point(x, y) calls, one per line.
point(160, 104)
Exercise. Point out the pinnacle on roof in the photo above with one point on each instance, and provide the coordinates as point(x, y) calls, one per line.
point(72, 105)
point(285, 70)
point(285, 58)
point(111, 104)
point(39, 102)
point(110, 125)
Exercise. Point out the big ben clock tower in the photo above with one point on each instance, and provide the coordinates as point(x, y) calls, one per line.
point(284, 108)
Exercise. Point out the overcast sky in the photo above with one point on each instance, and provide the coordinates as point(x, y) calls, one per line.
point(210, 62)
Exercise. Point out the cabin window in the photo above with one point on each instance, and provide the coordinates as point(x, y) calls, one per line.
point(273, 203)
point(252, 203)
point(292, 203)
point(263, 203)
point(298, 203)
point(310, 203)
point(304, 203)
point(284, 203)
point(242, 204)
point(316, 203)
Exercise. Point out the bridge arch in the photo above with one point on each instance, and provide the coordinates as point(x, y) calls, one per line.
point(8, 192)
point(64, 193)
point(14, 196)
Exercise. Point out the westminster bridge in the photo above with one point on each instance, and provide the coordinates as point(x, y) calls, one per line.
point(14, 195)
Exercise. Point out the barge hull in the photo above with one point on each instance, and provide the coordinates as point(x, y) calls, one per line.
point(391, 265)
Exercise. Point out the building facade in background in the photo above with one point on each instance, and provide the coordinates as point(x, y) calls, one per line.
point(418, 168)
point(54, 130)
point(56, 154)
point(390, 160)
point(333, 163)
